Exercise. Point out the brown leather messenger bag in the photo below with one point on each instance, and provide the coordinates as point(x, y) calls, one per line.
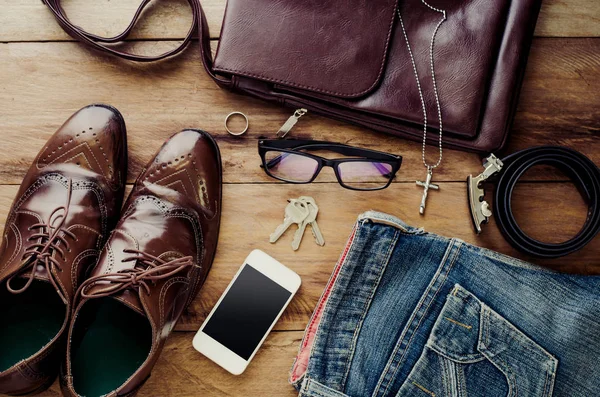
point(349, 60)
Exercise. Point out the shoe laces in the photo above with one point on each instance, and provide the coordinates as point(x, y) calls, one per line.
point(45, 243)
point(147, 269)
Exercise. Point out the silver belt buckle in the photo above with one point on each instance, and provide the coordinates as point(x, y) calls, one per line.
point(480, 209)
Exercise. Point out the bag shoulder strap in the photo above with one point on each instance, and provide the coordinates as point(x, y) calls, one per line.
point(103, 43)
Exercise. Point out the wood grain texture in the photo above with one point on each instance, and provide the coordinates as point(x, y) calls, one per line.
point(45, 82)
point(30, 20)
point(251, 212)
point(183, 372)
point(45, 77)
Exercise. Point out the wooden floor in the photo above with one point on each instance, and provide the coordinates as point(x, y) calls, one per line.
point(45, 76)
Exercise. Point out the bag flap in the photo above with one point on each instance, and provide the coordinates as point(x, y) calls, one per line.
point(337, 48)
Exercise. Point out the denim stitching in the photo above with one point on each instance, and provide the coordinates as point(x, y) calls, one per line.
point(516, 334)
point(445, 377)
point(384, 219)
point(320, 306)
point(510, 376)
point(461, 381)
point(484, 328)
point(453, 321)
point(367, 304)
point(454, 245)
point(455, 378)
point(507, 260)
point(551, 377)
point(423, 388)
point(465, 359)
point(525, 343)
point(325, 309)
point(316, 389)
point(487, 326)
point(546, 383)
point(394, 353)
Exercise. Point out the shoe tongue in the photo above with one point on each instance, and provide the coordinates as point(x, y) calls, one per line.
point(131, 299)
point(38, 208)
point(41, 274)
point(128, 297)
point(143, 228)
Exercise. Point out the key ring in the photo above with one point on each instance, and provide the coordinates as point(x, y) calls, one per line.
point(234, 114)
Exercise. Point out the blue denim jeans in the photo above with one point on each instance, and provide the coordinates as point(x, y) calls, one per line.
point(408, 313)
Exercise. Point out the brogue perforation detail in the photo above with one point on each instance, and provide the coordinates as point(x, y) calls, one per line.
point(77, 185)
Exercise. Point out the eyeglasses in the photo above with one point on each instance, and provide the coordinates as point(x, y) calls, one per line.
point(365, 169)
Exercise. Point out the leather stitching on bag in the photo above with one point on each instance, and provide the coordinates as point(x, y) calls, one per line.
point(316, 89)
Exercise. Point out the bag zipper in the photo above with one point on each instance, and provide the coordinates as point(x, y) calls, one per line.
point(290, 123)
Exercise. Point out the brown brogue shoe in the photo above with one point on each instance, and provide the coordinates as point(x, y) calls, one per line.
point(63, 213)
point(151, 268)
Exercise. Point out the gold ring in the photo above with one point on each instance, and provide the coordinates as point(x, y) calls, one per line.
point(227, 120)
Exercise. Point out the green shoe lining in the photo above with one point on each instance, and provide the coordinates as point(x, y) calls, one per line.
point(110, 342)
point(28, 321)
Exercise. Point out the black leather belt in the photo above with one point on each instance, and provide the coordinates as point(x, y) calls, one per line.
point(580, 169)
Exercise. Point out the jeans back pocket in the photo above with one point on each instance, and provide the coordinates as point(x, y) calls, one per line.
point(473, 351)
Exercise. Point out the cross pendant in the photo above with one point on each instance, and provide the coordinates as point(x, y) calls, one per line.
point(426, 185)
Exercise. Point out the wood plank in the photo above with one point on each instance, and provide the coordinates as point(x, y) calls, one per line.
point(557, 82)
point(183, 372)
point(251, 212)
point(43, 83)
point(559, 105)
point(30, 20)
point(559, 18)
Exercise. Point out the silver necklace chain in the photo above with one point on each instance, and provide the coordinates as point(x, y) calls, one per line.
point(435, 90)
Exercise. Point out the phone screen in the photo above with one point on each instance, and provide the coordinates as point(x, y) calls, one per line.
point(247, 311)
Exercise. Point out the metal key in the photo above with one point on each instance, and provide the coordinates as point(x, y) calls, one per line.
point(295, 212)
point(311, 220)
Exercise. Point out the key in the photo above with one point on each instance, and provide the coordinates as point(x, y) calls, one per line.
point(295, 212)
point(311, 220)
point(313, 210)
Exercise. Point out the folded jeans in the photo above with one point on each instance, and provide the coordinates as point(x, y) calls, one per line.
point(409, 313)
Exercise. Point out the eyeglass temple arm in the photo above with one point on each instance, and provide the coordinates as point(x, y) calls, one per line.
point(345, 150)
point(384, 171)
point(274, 161)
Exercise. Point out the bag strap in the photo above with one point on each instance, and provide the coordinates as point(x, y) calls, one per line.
point(101, 43)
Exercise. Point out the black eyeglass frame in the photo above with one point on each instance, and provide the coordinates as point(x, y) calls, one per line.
point(295, 146)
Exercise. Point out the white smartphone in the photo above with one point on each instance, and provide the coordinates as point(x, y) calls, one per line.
point(246, 312)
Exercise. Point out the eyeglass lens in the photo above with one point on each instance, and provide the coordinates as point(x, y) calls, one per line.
point(290, 167)
point(294, 167)
point(356, 173)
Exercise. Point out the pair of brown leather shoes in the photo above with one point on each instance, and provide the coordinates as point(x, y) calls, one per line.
point(107, 289)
